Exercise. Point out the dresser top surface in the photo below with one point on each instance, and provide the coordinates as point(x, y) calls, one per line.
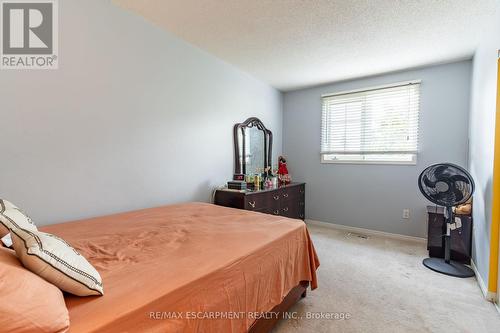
point(250, 191)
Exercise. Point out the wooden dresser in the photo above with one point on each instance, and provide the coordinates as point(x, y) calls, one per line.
point(286, 200)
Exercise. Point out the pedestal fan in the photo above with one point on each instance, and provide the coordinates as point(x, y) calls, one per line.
point(447, 185)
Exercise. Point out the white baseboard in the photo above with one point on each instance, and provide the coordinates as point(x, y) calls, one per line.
point(487, 294)
point(368, 232)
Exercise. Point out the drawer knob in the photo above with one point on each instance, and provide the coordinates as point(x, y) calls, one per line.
point(276, 212)
point(285, 195)
point(301, 216)
point(276, 197)
point(301, 191)
point(285, 209)
point(252, 203)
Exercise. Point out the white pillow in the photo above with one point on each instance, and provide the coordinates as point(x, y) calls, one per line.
point(13, 218)
point(57, 262)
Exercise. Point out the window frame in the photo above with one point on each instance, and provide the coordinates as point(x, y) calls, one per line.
point(414, 156)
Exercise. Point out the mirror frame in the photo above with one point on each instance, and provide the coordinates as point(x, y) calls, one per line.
point(268, 140)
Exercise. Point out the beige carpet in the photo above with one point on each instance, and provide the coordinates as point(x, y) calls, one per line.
point(383, 286)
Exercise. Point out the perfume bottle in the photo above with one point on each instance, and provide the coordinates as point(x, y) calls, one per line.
point(257, 180)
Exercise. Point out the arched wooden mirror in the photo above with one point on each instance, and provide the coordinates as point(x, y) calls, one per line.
point(253, 144)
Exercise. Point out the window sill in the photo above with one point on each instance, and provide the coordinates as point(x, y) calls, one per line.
point(371, 162)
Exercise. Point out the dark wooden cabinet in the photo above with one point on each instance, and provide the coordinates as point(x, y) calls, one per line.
point(287, 200)
point(461, 239)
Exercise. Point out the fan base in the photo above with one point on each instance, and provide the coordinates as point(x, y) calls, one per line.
point(452, 269)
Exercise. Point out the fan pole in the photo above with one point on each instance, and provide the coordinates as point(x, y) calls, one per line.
point(447, 237)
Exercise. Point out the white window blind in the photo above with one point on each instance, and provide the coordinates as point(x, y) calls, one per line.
point(377, 125)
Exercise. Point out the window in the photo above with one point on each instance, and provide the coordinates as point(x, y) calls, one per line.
point(377, 125)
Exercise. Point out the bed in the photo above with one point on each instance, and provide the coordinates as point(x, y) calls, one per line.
point(192, 267)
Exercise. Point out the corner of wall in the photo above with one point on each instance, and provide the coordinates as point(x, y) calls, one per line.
point(489, 296)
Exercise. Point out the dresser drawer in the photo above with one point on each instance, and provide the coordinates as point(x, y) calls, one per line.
point(292, 209)
point(301, 214)
point(262, 201)
point(255, 201)
point(293, 193)
point(274, 211)
point(289, 209)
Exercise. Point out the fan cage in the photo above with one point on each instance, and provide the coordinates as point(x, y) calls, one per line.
point(446, 184)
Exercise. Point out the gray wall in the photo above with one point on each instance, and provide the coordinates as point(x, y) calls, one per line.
point(374, 196)
point(482, 136)
point(133, 118)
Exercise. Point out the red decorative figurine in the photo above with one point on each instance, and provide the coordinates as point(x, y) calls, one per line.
point(283, 175)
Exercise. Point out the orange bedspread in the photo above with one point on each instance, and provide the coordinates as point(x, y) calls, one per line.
point(169, 269)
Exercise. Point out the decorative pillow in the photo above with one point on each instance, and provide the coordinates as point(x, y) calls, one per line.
point(13, 218)
point(57, 262)
point(28, 302)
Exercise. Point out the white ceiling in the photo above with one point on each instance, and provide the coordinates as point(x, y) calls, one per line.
point(297, 43)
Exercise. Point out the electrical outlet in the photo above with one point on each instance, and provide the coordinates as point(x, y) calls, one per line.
point(406, 213)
